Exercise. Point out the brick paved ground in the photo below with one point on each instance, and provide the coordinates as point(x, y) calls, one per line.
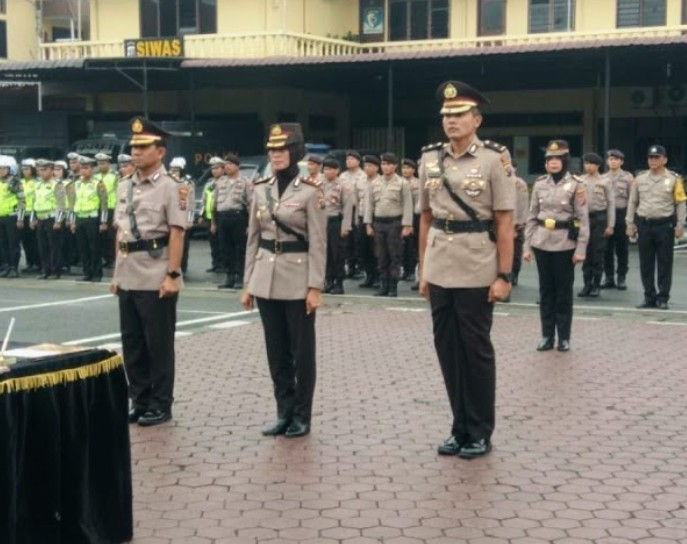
point(590, 445)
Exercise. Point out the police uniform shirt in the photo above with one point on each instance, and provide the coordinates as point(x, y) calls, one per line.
point(622, 183)
point(483, 181)
point(357, 182)
point(600, 196)
point(158, 205)
point(338, 201)
point(522, 202)
point(655, 197)
point(389, 198)
point(231, 194)
point(60, 195)
point(562, 201)
point(415, 191)
point(286, 276)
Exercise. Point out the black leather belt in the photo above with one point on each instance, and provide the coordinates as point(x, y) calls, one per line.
point(143, 245)
point(656, 220)
point(231, 212)
point(452, 227)
point(600, 214)
point(334, 218)
point(553, 224)
point(275, 246)
point(388, 219)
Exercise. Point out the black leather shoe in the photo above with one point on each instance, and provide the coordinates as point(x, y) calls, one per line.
point(277, 428)
point(622, 286)
point(43, 277)
point(337, 288)
point(585, 291)
point(136, 413)
point(450, 446)
point(545, 344)
point(154, 417)
point(12, 273)
point(609, 284)
point(297, 428)
point(563, 345)
point(662, 305)
point(225, 285)
point(594, 292)
point(415, 287)
point(475, 449)
point(85, 278)
point(646, 304)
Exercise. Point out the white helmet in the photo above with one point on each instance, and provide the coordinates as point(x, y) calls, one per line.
point(7, 162)
point(29, 162)
point(178, 162)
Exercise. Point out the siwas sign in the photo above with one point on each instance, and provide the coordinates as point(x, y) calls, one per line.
point(154, 48)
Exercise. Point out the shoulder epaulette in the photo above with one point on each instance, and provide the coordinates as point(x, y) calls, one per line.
point(262, 180)
point(494, 146)
point(673, 172)
point(542, 177)
point(640, 172)
point(312, 182)
point(577, 178)
point(432, 147)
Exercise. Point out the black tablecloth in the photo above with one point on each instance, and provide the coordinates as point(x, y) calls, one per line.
point(65, 462)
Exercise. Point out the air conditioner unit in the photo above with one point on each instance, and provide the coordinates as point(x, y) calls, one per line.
point(675, 95)
point(644, 97)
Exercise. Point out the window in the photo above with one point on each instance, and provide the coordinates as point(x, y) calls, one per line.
point(492, 17)
point(3, 39)
point(552, 15)
point(161, 18)
point(418, 19)
point(641, 13)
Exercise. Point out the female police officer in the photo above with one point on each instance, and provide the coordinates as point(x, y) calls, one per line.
point(558, 230)
point(285, 268)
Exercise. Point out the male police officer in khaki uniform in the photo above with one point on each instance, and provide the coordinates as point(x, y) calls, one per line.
point(150, 219)
point(355, 179)
point(365, 244)
point(408, 171)
point(467, 199)
point(601, 206)
point(618, 242)
point(658, 198)
point(389, 218)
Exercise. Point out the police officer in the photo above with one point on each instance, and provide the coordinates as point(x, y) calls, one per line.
point(408, 171)
point(285, 267)
point(355, 179)
point(389, 219)
point(207, 209)
point(89, 220)
point(314, 167)
point(658, 199)
point(109, 179)
point(12, 209)
point(64, 172)
point(230, 220)
point(618, 242)
point(46, 219)
point(522, 208)
point(466, 253)
point(150, 219)
point(28, 236)
point(558, 232)
point(365, 244)
point(74, 165)
point(601, 206)
point(188, 193)
point(338, 205)
point(125, 165)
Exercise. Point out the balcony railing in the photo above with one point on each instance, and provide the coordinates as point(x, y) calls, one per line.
point(289, 44)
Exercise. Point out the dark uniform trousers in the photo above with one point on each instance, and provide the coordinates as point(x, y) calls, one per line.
point(9, 242)
point(366, 249)
point(231, 232)
point(107, 240)
point(388, 247)
point(49, 246)
point(655, 239)
point(214, 251)
point(618, 244)
point(148, 323)
point(290, 342)
point(70, 249)
point(556, 277)
point(30, 244)
point(352, 249)
point(518, 243)
point(88, 238)
point(187, 248)
point(410, 248)
point(336, 250)
point(592, 267)
point(462, 320)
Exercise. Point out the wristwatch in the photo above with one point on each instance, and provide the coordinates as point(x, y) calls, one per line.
point(174, 274)
point(505, 276)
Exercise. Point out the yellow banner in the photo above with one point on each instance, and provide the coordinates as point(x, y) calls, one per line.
point(154, 48)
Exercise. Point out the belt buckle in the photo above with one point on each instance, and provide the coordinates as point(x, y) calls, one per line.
point(154, 243)
point(550, 223)
point(277, 247)
point(447, 229)
point(124, 248)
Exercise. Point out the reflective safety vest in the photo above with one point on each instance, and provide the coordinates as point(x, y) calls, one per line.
point(46, 200)
point(209, 199)
point(8, 200)
point(87, 200)
point(29, 192)
point(110, 182)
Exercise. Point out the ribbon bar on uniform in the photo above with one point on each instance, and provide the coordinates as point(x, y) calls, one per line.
point(454, 227)
point(276, 246)
point(143, 245)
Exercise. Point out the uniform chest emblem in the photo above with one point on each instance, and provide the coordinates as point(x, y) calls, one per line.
point(473, 184)
point(567, 186)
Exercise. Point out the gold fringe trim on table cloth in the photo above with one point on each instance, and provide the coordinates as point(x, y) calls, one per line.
point(60, 377)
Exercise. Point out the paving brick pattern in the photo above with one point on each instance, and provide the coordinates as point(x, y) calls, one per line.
point(590, 445)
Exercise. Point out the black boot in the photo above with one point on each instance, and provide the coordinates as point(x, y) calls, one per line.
point(12, 273)
point(5, 272)
point(622, 286)
point(585, 290)
point(393, 288)
point(595, 290)
point(383, 289)
point(368, 283)
point(228, 283)
point(337, 288)
point(609, 283)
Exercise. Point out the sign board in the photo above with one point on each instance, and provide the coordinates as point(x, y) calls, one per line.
point(154, 48)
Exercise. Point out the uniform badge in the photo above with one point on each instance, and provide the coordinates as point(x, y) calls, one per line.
point(472, 149)
point(183, 194)
point(320, 199)
point(473, 186)
point(567, 186)
point(581, 196)
point(507, 166)
point(137, 126)
point(450, 91)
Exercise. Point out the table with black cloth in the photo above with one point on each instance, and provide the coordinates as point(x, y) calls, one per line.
point(65, 461)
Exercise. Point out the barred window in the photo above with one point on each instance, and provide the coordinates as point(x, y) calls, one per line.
point(641, 13)
point(552, 16)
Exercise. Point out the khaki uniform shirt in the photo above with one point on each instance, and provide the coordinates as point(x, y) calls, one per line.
point(562, 201)
point(483, 181)
point(415, 191)
point(286, 276)
point(522, 202)
point(358, 182)
point(655, 197)
point(157, 205)
point(231, 194)
point(622, 183)
point(338, 201)
point(600, 196)
point(389, 198)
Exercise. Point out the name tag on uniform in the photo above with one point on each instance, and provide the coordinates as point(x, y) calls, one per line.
point(293, 204)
